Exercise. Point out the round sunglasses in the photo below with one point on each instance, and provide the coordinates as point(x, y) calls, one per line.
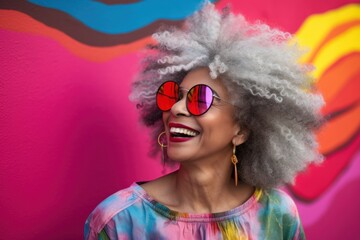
point(199, 98)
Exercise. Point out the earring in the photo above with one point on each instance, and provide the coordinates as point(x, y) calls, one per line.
point(162, 145)
point(234, 160)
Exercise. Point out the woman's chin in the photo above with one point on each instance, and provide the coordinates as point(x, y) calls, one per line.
point(178, 158)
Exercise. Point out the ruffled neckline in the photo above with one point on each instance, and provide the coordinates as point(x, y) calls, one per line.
point(197, 217)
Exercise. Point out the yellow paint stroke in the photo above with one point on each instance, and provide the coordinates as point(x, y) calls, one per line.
point(327, 37)
point(316, 27)
point(338, 47)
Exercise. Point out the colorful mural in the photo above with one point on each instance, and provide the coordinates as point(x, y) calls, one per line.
point(326, 192)
point(336, 55)
point(70, 137)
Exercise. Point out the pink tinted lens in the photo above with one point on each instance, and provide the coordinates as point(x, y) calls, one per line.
point(167, 95)
point(199, 99)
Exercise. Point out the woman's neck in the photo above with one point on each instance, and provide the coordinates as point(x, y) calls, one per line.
point(208, 189)
point(200, 187)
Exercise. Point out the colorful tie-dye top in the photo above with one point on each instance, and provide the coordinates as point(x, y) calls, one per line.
point(132, 214)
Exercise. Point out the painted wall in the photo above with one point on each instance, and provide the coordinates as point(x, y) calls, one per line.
point(69, 136)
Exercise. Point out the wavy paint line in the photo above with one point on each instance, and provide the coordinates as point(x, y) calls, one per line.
point(20, 22)
point(342, 45)
point(122, 18)
point(335, 52)
point(346, 98)
point(330, 36)
point(317, 27)
point(333, 34)
point(339, 130)
point(339, 141)
point(347, 67)
point(77, 30)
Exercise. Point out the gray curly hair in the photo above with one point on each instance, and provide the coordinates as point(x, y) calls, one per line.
point(273, 93)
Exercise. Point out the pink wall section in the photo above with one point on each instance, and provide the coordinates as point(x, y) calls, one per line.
point(69, 136)
point(335, 214)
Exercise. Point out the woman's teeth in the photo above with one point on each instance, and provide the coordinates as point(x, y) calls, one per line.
point(182, 131)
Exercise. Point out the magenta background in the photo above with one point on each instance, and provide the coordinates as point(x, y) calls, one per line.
point(69, 136)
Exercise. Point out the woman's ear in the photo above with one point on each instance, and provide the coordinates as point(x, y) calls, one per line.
point(241, 137)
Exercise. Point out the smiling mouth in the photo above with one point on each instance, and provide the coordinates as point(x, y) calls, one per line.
point(177, 132)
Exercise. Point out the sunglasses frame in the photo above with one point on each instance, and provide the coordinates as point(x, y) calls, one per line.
point(187, 94)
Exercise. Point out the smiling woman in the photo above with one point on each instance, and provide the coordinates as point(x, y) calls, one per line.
point(230, 103)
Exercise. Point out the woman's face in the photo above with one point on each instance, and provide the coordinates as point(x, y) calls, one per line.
point(205, 137)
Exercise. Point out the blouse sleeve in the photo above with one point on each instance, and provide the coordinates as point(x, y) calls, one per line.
point(91, 234)
point(280, 217)
point(292, 226)
point(112, 230)
point(103, 222)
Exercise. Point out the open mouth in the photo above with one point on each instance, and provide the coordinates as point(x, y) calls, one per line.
point(178, 132)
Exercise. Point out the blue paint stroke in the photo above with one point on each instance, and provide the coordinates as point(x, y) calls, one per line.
point(122, 18)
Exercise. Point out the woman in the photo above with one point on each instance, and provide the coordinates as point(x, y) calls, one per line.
point(229, 102)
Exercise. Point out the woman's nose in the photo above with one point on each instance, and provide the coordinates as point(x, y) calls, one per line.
point(179, 108)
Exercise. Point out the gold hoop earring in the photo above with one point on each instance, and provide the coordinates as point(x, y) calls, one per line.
point(162, 146)
point(234, 160)
point(159, 140)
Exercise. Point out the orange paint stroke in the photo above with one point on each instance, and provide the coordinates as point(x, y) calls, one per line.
point(337, 76)
point(333, 34)
point(339, 130)
point(347, 96)
point(20, 22)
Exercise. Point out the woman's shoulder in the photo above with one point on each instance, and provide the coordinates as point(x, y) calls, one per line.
point(280, 215)
point(278, 200)
point(111, 206)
